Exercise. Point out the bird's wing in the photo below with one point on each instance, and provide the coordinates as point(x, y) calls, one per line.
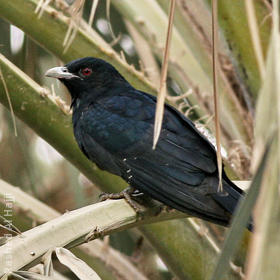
point(123, 125)
point(131, 115)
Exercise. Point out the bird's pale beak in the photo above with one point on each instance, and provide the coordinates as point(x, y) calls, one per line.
point(60, 73)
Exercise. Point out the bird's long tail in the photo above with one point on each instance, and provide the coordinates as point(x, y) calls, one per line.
point(229, 202)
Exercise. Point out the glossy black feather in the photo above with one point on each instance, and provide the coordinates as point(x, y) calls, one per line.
point(113, 125)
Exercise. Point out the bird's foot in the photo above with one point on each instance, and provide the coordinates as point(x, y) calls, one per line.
point(128, 195)
point(123, 194)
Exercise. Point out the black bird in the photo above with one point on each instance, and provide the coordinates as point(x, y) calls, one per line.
point(113, 125)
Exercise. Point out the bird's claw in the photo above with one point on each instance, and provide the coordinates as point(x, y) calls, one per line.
point(104, 196)
point(126, 194)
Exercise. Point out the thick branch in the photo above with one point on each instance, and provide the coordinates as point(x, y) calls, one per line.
point(103, 258)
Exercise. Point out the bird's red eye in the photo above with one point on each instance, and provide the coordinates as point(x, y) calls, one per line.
point(86, 71)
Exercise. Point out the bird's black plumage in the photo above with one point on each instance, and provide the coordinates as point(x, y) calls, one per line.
point(113, 125)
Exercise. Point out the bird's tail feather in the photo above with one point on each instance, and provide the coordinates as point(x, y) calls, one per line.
point(230, 198)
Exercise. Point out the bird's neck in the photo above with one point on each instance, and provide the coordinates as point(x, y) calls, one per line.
point(78, 107)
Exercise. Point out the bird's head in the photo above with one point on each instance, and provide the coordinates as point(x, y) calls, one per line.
point(86, 75)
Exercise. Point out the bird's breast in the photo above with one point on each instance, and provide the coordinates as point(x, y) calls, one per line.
point(115, 133)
